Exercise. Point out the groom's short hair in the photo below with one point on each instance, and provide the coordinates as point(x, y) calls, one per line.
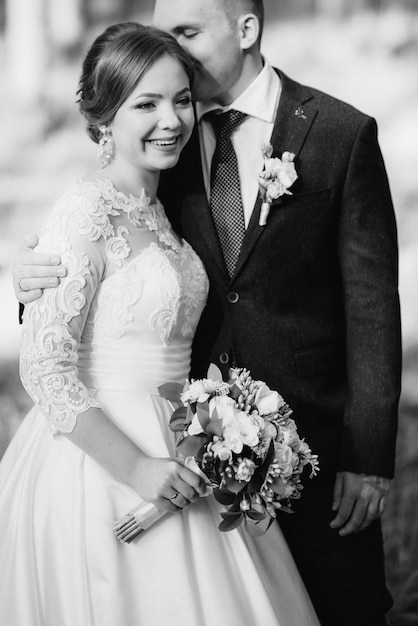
point(234, 8)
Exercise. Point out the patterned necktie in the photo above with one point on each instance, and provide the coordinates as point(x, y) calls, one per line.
point(225, 187)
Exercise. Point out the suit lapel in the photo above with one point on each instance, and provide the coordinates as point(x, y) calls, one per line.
point(295, 116)
point(199, 207)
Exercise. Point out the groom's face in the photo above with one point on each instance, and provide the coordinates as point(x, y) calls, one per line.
point(204, 30)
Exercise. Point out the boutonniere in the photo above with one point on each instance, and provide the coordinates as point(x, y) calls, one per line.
point(275, 179)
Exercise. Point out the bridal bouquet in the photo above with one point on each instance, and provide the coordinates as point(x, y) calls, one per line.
point(240, 435)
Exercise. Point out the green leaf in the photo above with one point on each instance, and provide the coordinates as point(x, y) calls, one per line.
point(202, 413)
point(177, 426)
point(234, 485)
point(214, 372)
point(230, 521)
point(255, 515)
point(215, 425)
point(191, 445)
point(224, 497)
point(278, 486)
point(261, 473)
point(259, 508)
point(171, 391)
point(179, 414)
point(235, 508)
point(178, 419)
point(286, 509)
point(235, 392)
point(257, 529)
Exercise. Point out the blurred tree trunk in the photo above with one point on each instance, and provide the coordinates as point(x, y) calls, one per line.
point(334, 8)
point(66, 24)
point(342, 8)
point(26, 49)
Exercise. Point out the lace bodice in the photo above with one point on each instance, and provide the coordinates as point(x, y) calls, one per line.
point(126, 312)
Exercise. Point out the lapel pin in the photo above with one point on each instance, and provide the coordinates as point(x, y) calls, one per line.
point(300, 113)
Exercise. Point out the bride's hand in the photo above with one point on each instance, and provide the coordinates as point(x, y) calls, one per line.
point(167, 483)
point(33, 272)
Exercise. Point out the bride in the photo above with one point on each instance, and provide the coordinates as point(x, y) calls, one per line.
point(94, 351)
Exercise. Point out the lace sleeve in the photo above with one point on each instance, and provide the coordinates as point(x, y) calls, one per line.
point(52, 325)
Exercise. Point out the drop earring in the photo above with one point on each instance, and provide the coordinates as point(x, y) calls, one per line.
point(106, 147)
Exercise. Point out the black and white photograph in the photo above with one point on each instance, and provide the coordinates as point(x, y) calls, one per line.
point(209, 313)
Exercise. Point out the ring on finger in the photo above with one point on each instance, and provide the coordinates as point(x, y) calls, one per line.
point(19, 284)
point(174, 497)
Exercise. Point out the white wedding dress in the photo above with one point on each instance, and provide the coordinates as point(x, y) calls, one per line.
point(118, 326)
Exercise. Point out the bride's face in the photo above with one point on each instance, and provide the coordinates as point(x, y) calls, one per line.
point(156, 120)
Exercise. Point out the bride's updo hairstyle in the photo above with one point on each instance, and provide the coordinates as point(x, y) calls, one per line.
point(114, 64)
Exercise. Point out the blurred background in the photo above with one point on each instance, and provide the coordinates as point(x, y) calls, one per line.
point(361, 51)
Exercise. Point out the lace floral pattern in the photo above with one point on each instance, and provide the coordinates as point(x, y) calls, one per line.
point(196, 293)
point(113, 245)
point(49, 350)
point(118, 294)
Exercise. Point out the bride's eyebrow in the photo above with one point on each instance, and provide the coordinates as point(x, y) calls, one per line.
point(148, 95)
point(160, 95)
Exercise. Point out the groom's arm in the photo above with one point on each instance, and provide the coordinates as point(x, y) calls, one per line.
point(368, 255)
point(369, 265)
point(33, 272)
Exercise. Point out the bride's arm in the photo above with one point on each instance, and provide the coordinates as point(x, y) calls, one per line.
point(155, 480)
point(51, 333)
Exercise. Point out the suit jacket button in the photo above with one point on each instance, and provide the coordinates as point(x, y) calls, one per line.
point(224, 358)
point(232, 297)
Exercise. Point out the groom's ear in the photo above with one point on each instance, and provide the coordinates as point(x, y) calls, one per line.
point(249, 27)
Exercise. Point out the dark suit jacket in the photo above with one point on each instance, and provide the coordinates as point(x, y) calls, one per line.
point(313, 306)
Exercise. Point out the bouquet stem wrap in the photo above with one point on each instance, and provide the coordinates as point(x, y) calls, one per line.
point(264, 213)
point(146, 514)
point(136, 521)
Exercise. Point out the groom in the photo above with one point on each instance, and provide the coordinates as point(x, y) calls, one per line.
point(307, 302)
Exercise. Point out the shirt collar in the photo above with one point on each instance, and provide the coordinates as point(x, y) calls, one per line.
point(258, 100)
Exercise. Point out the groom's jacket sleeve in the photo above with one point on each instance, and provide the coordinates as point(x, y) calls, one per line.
point(368, 256)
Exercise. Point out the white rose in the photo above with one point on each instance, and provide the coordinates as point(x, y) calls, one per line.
point(240, 430)
point(218, 402)
point(287, 175)
point(220, 450)
point(269, 431)
point(283, 456)
point(224, 412)
point(198, 391)
point(275, 190)
point(290, 435)
point(272, 165)
point(287, 157)
point(267, 401)
point(245, 470)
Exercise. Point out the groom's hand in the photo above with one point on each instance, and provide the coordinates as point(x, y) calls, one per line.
point(359, 500)
point(34, 272)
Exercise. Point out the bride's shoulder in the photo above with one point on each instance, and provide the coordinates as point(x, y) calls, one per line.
point(85, 195)
point(89, 203)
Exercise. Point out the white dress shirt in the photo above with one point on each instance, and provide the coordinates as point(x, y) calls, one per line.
point(260, 102)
